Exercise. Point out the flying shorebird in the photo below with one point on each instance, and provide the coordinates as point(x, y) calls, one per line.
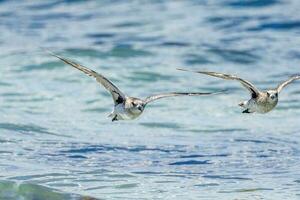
point(125, 107)
point(261, 101)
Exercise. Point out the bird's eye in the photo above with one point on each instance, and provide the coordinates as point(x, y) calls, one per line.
point(133, 104)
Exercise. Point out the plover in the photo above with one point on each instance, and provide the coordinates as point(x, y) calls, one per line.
point(261, 101)
point(125, 107)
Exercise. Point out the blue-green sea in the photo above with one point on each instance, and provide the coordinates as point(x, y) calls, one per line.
point(57, 143)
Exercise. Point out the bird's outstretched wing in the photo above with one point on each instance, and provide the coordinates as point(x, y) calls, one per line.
point(249, 86)
point(173, 94)
point(118, 96)
point(285, 83)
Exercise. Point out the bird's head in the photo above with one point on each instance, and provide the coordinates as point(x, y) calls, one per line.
point(272, 95)
point(136, 105)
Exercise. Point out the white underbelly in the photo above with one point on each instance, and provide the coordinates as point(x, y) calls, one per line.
point(251, 104)
point(121, 112)
point(260, 108)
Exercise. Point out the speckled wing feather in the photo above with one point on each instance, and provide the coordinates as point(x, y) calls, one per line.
point(117, 95)
point(249, 86)
point(173, 94)
point(285, 83)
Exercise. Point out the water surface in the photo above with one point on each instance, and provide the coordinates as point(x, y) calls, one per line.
point(56, 138)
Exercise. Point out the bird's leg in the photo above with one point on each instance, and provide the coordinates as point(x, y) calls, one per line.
point(115, 118)
point(247, 106)
point(246, 111)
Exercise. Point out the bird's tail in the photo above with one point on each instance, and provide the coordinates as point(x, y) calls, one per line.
point(111, 115)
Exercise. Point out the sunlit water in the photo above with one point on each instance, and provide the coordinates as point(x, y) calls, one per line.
point(57, 141)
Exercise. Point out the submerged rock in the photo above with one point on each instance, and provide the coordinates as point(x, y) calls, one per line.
point(27, 191)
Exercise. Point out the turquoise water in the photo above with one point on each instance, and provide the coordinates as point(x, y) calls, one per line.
point(57, 141)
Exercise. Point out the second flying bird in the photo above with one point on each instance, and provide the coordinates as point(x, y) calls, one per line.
point(261, 101)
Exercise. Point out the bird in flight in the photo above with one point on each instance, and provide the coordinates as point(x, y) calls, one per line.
point(261, 101)
point(125, 107)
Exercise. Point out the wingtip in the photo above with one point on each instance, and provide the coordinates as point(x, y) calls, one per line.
point(180, 69)
point(46, 50)
point(194, 71)
point(50, 52)
point(55, 55)
point(185, 70)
